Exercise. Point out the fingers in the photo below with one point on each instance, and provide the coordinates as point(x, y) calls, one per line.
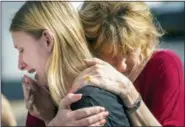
point(26, 92)
point(32, 83)
point(85, 112)
point(69, 99)
point(99, 123)
point(80, 80)
point(95, 119)
point(29, 103)
point(93, 61)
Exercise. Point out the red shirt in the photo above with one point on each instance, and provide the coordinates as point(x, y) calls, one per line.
point(161, 85)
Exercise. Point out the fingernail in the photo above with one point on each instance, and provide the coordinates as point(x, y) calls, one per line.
point(78, 96)
point(103, 121)
point(102, 109)
point(106, 113)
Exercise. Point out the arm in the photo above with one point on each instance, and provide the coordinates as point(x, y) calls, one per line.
point(163, 78)
point(142, 116)
point(65, 114)
point(42, 111)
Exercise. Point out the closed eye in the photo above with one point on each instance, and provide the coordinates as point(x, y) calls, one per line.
point(21, 50)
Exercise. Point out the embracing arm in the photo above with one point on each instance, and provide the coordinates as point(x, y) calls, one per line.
point(142, 116)
point(161, 86)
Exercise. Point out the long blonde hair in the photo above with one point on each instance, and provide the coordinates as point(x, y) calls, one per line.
point(114, 28)
point(69, 47)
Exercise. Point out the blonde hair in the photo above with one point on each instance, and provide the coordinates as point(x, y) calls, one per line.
point(69, 48)
point(119, 27)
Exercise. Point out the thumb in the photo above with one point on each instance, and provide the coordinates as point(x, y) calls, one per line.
point(69, 99)
point(90, 62)
point(93, 61)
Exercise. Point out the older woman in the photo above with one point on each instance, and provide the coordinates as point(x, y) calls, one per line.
point(149, 81)
point(51, 42)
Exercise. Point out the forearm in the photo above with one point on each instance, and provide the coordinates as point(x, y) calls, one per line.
point(50, 122)
point(142, 116)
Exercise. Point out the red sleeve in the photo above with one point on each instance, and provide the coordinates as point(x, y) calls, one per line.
point(34, 122)
point(165, 93)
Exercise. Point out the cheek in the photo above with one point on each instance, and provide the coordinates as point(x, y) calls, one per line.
point(27, 58)
point(31, 58)
point(131, 62)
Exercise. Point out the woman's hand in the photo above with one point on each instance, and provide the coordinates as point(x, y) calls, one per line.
point(93, 116)
point(38, 100)
point(40, 105)
point(103, 75)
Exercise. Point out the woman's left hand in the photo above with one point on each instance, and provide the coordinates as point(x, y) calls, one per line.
point(103, 75)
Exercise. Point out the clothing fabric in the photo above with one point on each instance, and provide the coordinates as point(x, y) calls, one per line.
point(34, 121)
point(161, 85)
point(93, 96)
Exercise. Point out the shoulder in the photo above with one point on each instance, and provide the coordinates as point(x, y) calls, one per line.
point(163, 72)
point(163, 60)
point(165, 57)
point(93, 96)
point(98, 95)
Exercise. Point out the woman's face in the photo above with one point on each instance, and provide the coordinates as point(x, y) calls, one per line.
point(125, 65)
point(33, 54)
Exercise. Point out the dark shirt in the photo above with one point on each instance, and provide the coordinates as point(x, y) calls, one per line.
point(93, 96)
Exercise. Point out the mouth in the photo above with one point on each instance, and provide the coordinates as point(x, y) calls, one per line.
point(33, 74)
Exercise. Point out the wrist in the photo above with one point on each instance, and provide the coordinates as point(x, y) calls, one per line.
point(130, 97)
point(133, 108)
point(50, 123)
point(49, 119)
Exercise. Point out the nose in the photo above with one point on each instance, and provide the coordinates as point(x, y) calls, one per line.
point(21, 64)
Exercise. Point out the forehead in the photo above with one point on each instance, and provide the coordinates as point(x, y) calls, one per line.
point(109, 50)
point(20, 38)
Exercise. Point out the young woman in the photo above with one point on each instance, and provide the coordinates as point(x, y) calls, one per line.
point(51, 42)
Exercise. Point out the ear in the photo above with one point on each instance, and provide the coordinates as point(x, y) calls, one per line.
point(48, 40)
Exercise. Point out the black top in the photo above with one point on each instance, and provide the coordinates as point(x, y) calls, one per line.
point(93, 96)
